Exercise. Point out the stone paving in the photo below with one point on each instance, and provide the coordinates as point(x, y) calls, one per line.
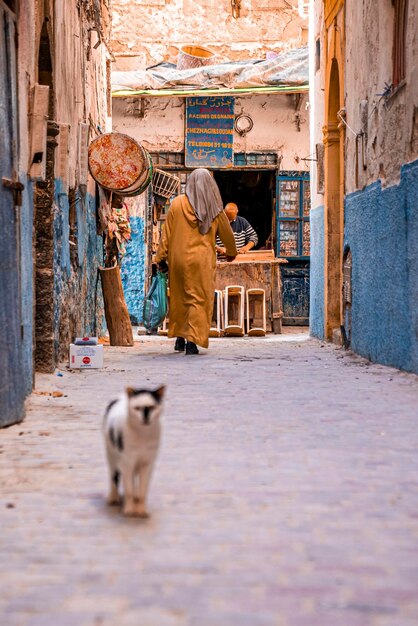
point(286, 494)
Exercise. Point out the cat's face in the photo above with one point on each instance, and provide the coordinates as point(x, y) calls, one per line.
point(145, 405)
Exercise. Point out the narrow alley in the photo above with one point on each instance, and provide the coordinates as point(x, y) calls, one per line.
point(284, 493)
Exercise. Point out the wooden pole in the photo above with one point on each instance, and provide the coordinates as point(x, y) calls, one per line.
point(116, 311)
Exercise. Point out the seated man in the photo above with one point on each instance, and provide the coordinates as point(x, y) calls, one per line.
point(245, 235)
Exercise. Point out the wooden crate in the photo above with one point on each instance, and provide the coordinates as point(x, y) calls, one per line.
point(217, 316)
point(256, 312)
point(234, 310)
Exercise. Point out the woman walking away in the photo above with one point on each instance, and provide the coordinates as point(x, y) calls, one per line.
point(188, 245)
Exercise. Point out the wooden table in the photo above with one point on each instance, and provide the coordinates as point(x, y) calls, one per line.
point(258, 269)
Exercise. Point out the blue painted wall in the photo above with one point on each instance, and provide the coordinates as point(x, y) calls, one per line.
point(316, 319)
point(381, 228)
point(133, 270)
point(78, 302)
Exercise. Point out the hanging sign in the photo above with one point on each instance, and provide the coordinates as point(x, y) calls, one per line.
point(210, 132)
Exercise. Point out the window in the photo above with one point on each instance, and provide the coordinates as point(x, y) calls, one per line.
point(399, 40)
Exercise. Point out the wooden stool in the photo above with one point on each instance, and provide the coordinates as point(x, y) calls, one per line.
point(234, 310)
point(256, 312)
point(217, 316)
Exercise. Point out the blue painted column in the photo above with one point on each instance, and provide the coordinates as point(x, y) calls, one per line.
point(316, 319)
point(134, 262)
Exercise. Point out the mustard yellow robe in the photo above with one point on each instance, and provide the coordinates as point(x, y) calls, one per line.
point(191, 259)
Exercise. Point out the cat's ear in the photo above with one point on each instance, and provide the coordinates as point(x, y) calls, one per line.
point(130, 391)
point(159, 393)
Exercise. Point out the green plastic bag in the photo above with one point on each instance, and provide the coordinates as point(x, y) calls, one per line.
point(155, 302)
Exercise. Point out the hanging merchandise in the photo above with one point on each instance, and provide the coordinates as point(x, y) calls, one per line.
point(117, 230)
point(119, 227)
point(104, 210)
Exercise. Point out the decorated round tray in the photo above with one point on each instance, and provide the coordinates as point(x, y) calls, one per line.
point(116, 161)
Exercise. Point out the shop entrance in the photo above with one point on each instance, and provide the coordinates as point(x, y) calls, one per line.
point(253, 193)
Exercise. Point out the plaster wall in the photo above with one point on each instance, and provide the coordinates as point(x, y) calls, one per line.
point(317, 55)
point(390, 124)
point(160, 125)
point(146, 32)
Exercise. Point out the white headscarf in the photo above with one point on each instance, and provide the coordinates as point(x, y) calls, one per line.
point(203, 194)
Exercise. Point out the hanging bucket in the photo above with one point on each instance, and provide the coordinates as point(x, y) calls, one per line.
point(117, 162)
point(194, 56)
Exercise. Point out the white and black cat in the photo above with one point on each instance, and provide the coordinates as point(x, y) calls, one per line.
point(132, 436)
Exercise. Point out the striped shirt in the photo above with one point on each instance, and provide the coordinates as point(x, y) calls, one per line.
point(243, 233)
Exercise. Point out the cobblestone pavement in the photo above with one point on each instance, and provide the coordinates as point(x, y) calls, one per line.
point(286, 494)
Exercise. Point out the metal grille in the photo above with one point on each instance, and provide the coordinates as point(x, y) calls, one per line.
point(168, 159)
point(266, 159)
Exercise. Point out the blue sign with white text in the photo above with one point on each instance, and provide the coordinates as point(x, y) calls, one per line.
point(210, 132)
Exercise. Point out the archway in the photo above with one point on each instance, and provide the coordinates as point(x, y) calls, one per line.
point(334, 200)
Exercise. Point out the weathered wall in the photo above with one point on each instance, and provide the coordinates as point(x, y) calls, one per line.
point(380, 220)
point(159, 125)
point(146, 31)
point(390, 124)
point(65, 292)
point(68, 220)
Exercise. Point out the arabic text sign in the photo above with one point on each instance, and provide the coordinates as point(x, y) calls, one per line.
point(210, 132)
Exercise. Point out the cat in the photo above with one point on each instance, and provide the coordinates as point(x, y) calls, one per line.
point(132, 431)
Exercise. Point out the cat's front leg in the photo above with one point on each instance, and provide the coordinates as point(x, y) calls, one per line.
point(114, 498)
point(141, 495)
point(129, 508)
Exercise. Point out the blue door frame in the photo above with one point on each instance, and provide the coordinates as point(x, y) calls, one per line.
point(293, 244)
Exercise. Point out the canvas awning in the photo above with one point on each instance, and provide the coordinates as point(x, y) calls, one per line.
point(286, 73)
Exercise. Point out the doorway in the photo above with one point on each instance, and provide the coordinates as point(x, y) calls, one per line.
point(253, 192)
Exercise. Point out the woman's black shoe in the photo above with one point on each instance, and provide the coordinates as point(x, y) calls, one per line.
point(191, 348)
point(180, 344)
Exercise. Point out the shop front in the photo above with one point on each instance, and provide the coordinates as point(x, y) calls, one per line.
point(255, 141)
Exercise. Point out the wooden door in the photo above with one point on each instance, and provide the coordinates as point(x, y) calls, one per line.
point(11, 377)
